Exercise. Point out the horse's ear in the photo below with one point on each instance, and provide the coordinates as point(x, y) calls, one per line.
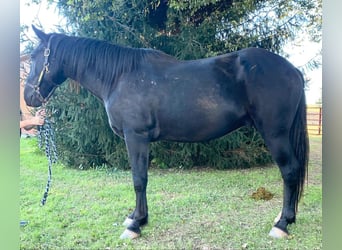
point(40, 34)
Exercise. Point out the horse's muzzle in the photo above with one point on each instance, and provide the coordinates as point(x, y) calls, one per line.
point(31, 99)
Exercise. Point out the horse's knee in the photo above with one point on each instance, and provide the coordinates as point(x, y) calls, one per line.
point(139, 188)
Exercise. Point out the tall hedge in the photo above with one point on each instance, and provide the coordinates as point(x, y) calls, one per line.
point(187, 30)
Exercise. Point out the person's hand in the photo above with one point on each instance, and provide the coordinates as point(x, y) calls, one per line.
point(41, 113)
point(39, 118)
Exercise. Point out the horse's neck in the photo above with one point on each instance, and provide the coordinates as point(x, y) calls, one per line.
point(85, 76)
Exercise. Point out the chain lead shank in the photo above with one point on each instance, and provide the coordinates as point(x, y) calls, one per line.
point(46, 131)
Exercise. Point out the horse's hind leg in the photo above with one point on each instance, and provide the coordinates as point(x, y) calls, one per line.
point(282, 152)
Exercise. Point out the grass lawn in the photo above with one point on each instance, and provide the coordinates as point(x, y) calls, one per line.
point(197, 209)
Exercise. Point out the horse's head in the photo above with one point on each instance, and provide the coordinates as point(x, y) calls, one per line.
point(45, 73)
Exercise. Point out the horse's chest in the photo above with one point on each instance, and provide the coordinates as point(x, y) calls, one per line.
point(131, 114)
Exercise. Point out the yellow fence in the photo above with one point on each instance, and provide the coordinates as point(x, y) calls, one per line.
point(314, 119)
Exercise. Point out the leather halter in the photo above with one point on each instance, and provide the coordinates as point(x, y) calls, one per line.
point(45, 69)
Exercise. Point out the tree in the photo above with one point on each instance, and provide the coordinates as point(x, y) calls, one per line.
point(195, 28)
point(188, 30)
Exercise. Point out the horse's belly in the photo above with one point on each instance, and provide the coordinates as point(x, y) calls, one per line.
point(199, 126)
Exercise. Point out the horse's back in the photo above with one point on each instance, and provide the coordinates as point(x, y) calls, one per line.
point(190, 101)
point(203, 99)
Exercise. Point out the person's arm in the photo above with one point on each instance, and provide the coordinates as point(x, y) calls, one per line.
point(31, 122)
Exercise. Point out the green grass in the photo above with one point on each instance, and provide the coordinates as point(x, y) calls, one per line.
point(202, 209)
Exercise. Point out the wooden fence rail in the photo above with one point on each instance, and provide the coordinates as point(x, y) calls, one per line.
point(314, 119)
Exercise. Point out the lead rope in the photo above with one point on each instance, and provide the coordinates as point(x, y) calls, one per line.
point(46, 131)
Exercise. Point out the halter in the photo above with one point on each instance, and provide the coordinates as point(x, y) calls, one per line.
point(45, 69)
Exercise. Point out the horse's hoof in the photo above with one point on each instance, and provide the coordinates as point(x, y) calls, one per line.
point(277, 233)
point(277, 218)
point(128, 234)
point(128, 222)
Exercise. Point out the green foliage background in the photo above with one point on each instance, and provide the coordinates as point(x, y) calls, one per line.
point(187, 30)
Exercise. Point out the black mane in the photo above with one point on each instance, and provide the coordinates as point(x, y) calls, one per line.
point(107, 60)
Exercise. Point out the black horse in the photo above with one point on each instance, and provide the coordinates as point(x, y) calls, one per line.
point(151, 96)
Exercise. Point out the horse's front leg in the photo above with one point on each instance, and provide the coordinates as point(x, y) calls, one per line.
point(138, 152)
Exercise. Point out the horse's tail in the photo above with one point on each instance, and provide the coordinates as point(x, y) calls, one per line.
point(300, 144)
